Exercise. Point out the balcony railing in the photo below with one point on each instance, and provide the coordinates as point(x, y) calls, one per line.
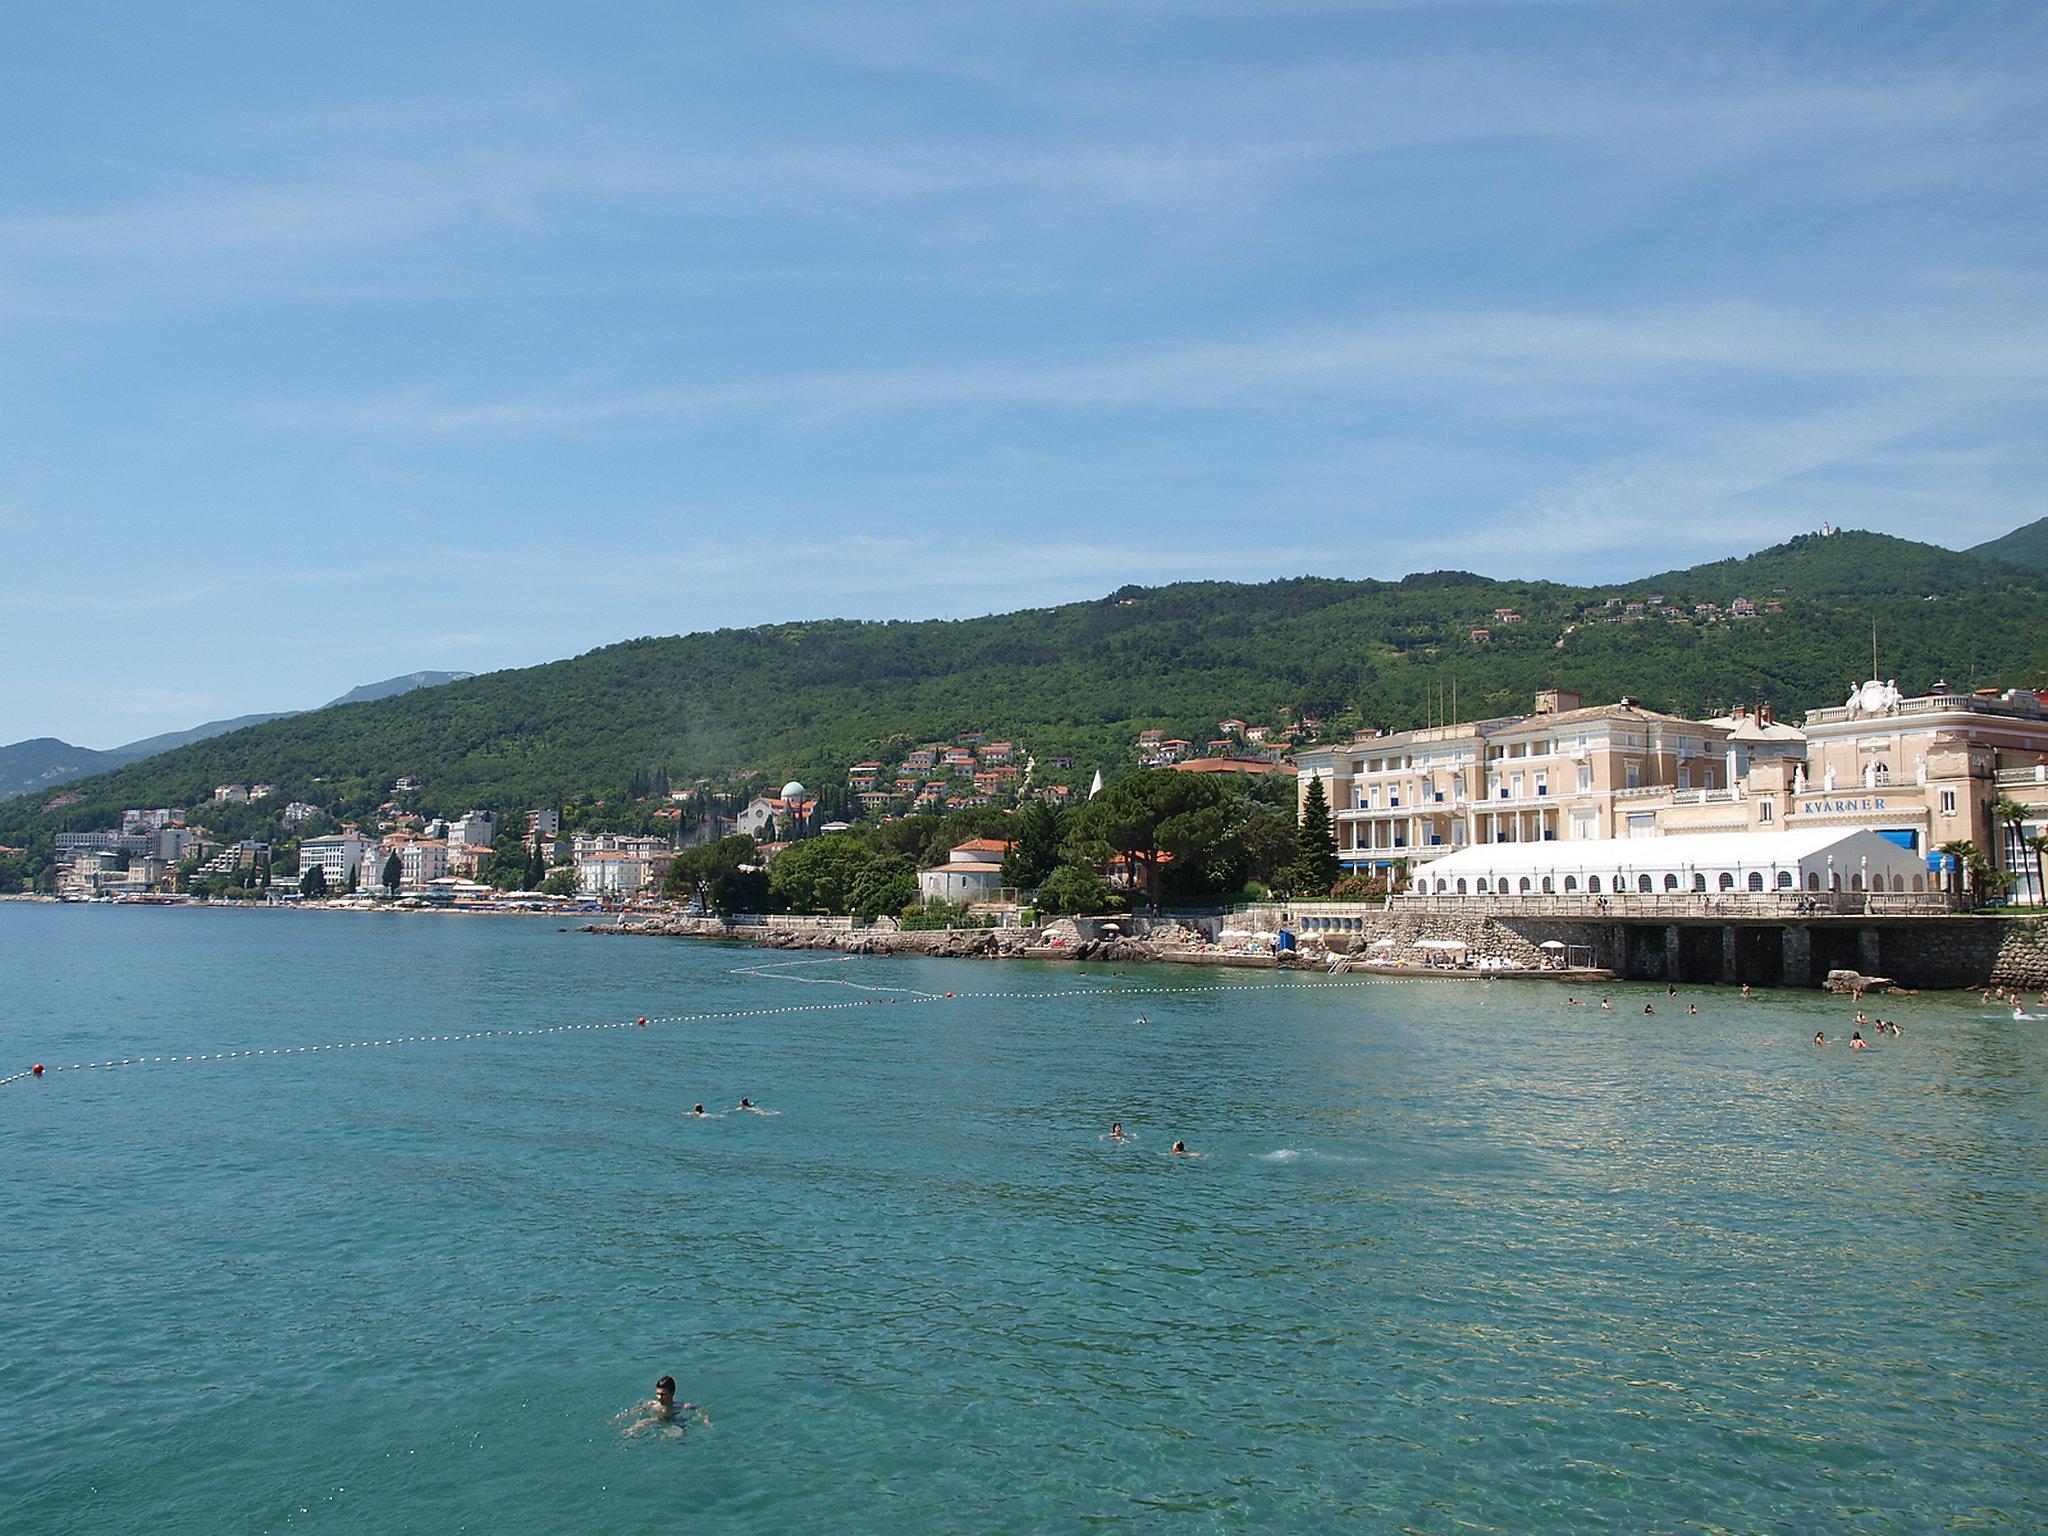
point(1729, 904)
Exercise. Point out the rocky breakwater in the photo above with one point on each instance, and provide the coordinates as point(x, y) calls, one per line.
point(1063, 939)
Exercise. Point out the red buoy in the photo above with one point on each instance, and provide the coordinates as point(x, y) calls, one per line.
point(36, 1070)
point(643, 1021)
point(949, 994)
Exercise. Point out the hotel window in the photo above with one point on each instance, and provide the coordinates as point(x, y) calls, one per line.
point(1635, 775)
point(1766, 812)
point(1585, 778)
point(1948, 802)
point(1542, 784)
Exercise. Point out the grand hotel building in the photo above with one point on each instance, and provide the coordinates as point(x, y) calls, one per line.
point(1919, 771)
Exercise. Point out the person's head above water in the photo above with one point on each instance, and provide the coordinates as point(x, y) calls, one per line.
point(1180, 1146)
point(746, 1103)
point(696, 1109)
point(665, 1390)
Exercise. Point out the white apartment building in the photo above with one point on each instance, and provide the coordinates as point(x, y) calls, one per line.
point(338, 855)
point(474, 827)
point(421, 859)
point(610, 864)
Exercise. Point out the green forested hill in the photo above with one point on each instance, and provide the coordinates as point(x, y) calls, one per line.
point(2025, 546)
point(806, 699)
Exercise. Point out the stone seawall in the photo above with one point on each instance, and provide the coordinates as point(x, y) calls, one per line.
point(1927, 952)
point(1919, 951)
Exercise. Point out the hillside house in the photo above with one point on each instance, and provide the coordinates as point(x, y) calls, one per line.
point(973, 872)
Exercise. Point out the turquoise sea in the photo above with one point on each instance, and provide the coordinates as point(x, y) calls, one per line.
point(1456, 1258)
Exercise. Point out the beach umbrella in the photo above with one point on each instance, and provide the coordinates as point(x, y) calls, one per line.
point(1383, 943)
point(1550, 944)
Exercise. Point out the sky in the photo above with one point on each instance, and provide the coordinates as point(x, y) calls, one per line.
point(340, 342)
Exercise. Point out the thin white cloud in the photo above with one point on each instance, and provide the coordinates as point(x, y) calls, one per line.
point(1502, 358)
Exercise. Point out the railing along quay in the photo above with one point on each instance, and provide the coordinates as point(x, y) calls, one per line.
point(1767, 904)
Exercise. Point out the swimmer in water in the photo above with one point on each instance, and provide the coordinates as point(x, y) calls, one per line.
point(754, 1109)
point(1116, 1131)
point(1819, 1038)
point(662, 1408)
point(1143, 1020)
point(1692, 1007)
point(1648, 1009)
point(697, 1111)
point(1857, 1042)
point(1745, 989)
point(1180, 1149)
point(1606, 1006)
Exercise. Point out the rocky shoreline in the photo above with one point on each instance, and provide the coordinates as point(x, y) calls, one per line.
point(1063, 941)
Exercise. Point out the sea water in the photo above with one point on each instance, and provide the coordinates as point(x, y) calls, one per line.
point(1455, 1256)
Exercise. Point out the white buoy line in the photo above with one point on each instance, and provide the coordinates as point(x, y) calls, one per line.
point(773, 971)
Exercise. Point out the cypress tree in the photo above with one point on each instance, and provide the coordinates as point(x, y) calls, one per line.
point(1315, 864)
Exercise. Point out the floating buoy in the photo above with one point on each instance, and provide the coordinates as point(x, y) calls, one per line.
point(643, 1021)
point(36, 1070)
point(949, 994)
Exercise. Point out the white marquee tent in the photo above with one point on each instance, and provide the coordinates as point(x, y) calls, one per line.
point(1720, 863)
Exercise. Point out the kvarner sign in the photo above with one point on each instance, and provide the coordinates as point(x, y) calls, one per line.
point(1867, 804)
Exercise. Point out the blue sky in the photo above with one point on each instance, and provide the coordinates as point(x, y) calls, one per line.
point(339, 344)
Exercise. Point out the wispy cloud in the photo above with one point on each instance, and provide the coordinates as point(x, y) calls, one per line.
point(1534, 357)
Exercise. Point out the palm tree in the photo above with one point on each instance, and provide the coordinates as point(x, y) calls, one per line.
point(2039, 846)
point(1969, 863)
point(2012, 817)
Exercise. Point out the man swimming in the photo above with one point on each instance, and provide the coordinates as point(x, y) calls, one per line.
point(697, 1111)
point(1180, 1149)
point(662, 1408)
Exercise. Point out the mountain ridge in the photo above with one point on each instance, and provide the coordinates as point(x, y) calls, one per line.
point(45, 762)
point(1081, 678)
point(2026, 545)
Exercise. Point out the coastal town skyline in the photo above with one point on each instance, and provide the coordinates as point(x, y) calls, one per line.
point(335, 335)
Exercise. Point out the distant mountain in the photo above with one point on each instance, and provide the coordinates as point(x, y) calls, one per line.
point(45, 762)
point(149, 746)
point(392, 686)
point(1082, 679)
point(2023, 546)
